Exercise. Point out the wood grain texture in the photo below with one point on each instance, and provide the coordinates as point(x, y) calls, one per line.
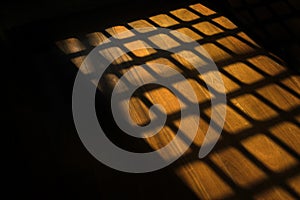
point(260, 143)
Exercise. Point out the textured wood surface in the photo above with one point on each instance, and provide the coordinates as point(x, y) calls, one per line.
point(259, 150)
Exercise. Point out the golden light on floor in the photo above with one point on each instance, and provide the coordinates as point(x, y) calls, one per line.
point(261, 136)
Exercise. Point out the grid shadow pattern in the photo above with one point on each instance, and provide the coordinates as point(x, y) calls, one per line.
point(258, 154)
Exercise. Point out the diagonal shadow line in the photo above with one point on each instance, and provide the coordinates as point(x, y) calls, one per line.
point(272, 179)
point(275, 179)
point(231, 32)
point(260, 164)
point(294, 92)
point(176, 115)
point(231, 140)
point(245, 89)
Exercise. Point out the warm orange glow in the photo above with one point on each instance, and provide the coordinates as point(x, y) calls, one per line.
point(259, 89)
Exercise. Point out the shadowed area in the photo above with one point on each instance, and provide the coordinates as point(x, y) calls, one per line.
point(258, 153)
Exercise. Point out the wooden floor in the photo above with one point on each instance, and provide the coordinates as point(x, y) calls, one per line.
point(258, 155)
